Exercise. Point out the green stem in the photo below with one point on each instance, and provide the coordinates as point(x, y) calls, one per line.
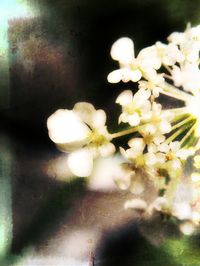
point(182, 122)
point(173, 136)
point(179, 110)
point(173, 95)
point(176, 133)
point(177, 92)
point(188, 133)
point(126, 131)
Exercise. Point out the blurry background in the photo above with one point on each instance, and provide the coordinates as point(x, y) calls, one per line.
point(57, 56)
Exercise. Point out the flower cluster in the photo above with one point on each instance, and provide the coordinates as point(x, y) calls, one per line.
point(161, 138)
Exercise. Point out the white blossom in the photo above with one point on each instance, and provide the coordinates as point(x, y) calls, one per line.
point(169, 54)
point(187, 76)
point(82, 132)
point(134, 107)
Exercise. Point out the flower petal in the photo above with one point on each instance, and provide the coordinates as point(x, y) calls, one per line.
point(106, 149)
point(125, 98)
point(66, 127)
point(134, 119)
point(98, 119)
point(80, 162)
point(137, 204)
point(115, 76)
point(137, 144)
point(175, 146)
point(137, 185)
point(123, 50)
point(85, 111)
point(135, 75)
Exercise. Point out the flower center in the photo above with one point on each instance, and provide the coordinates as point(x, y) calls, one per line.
point(97, 139)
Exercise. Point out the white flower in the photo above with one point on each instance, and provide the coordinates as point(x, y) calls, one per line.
point(80, 162)
point(137, 204)
point(187, 228)
point(158, 123)
point(187, 76)
point(123, 51)
point(160, 204)
point(189, 42)
point(141, 159)
point(81, 131)
point(182, 210)
point(130, 178)
point(65, 126)
point(148, 59)
point(160, 119)
point(125, 74)
point(174, 156)
point(152, 85)
point(133, 68)
point(169, 54)
point(134, 108)
point(173, 150)
point(135, 152)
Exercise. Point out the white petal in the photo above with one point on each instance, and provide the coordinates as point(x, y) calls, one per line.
point(137, 144)
point(146, 109)
point(127, 74)
point(106, 149)
point(175, 146)
point(142, 95)
point(85, 111)
point(187, 228)
point(158, 139)
point(160, 157)
point(159, 204)
point(149, 130)
point(98, 119)
point(157, 108)
point(135, 75)
point(125, 98)
point(122, 184)
point(195, 177)
point(137, 204)
point(115, 76)
point(176, 37)
point(80, 162)
point(165, 127)
point(175, 164)
point(184, 153)
point(163, 147)
point(66, 127)
point(150, 159)
point(182, 211)
point(137, 185)
point(152, 148)
point(132, 153)
point(123, 50)
point(123, 152)
point(177, 76)
point(124, 181)
point(123, 118)
point(148, 58)
point(134, 119)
